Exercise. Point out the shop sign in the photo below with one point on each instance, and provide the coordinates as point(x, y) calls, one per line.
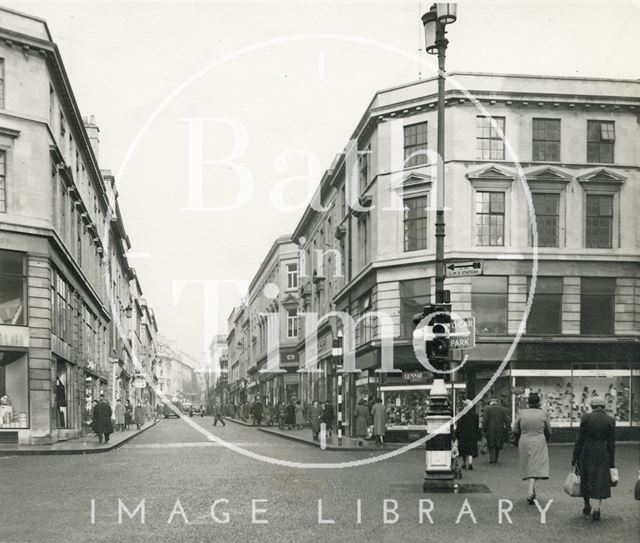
point(139, 382)
point(416, 375)
point(517, 390)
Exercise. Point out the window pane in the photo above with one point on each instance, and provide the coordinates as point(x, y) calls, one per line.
point(414, 295)
point(545, 316)
point(489, 304)
point(415, 223)
point(597, 301)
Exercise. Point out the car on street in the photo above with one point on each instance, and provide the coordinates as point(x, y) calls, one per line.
point(197, 410)
point(187, 409)
point(168, 412)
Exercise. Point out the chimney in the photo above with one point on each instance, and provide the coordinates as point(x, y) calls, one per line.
point(92, 131)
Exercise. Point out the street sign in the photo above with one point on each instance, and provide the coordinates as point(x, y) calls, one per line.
point(463, 269)
point(463, 333)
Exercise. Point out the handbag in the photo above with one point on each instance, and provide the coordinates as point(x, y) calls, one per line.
point(572, 483)
point(483, 446)
point(615, 477)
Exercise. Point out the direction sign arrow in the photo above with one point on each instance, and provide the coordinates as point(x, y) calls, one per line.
point(461, 269)
point(475, 265)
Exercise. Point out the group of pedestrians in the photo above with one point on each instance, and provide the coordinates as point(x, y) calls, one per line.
point(375, 416)
point(321, 414)
point(125, 414)
point(105, 420)
point(593, 452)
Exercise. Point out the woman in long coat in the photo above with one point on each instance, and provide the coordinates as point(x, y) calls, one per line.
point(468, 434)
point(315, 412)
point(532, 430)
point(379, 415)
point(299, 416)
point(361, 421)
point(119, 412)
point(290, 415)
point(139, 415)
point(594, 453)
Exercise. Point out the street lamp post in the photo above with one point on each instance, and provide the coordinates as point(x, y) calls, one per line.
point(435, 22)
point(438, 473)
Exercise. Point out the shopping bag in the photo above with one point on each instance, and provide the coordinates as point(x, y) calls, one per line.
point(455, 452)
point(483, 446)
point(615, 477)
point(572, 484)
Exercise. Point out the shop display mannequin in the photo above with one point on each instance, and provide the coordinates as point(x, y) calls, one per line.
point(6, 410)
point(61, 403)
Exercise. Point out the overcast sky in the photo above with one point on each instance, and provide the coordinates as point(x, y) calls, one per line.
point(297, 95)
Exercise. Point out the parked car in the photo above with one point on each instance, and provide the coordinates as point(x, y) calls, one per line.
point(168, 412)
point(197, 410)
point(187, 409)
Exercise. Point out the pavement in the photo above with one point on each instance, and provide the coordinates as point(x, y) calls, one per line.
point(175, 472)
point(84, 445)
point(330, 444)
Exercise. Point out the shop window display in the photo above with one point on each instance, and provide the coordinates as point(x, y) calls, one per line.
point(567, 398)
point(406, 407)
point(635, 400)
point(556, 397)
point(12, 288)
point(616, 392)
point(14, 396)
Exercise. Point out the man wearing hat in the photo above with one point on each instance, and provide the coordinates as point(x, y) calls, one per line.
point(102, 424)
point(494, 423)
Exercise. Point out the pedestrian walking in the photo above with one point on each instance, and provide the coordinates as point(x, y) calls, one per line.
point(327, 417)
point(148, 412)
point(379, 414)
point(494, 424)
point(139, 415)
point(128, 414)
point(257, 412)
point(119, 412)
point(361, 421)
point(594, 454)
point(315, 414)
point(290, 415)
point(217, 415)
point(299, 416)
point(282, 415)
point(102, 424)
point(468, 435)
point(532, 431)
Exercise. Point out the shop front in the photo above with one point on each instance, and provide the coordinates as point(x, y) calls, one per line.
point(566, 387)
point(14, 394)
point(406, 398)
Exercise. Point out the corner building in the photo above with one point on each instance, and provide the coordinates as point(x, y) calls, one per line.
point(574, 143)
point(59, 346)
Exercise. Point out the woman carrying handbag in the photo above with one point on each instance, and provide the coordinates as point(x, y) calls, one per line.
point(594, 454)
point(531, 431)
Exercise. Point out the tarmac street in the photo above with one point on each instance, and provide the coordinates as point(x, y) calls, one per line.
point(173, 483)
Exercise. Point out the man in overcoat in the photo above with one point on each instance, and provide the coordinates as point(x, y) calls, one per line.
point(494, 425)
point(379, 414)
point(102, 424)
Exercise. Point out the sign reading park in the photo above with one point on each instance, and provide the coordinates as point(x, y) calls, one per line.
point(463, 269)
point(463, 333)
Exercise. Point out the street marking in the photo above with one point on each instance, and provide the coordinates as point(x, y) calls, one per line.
point(323, 436)
point(7, 457)
point(180, 445)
